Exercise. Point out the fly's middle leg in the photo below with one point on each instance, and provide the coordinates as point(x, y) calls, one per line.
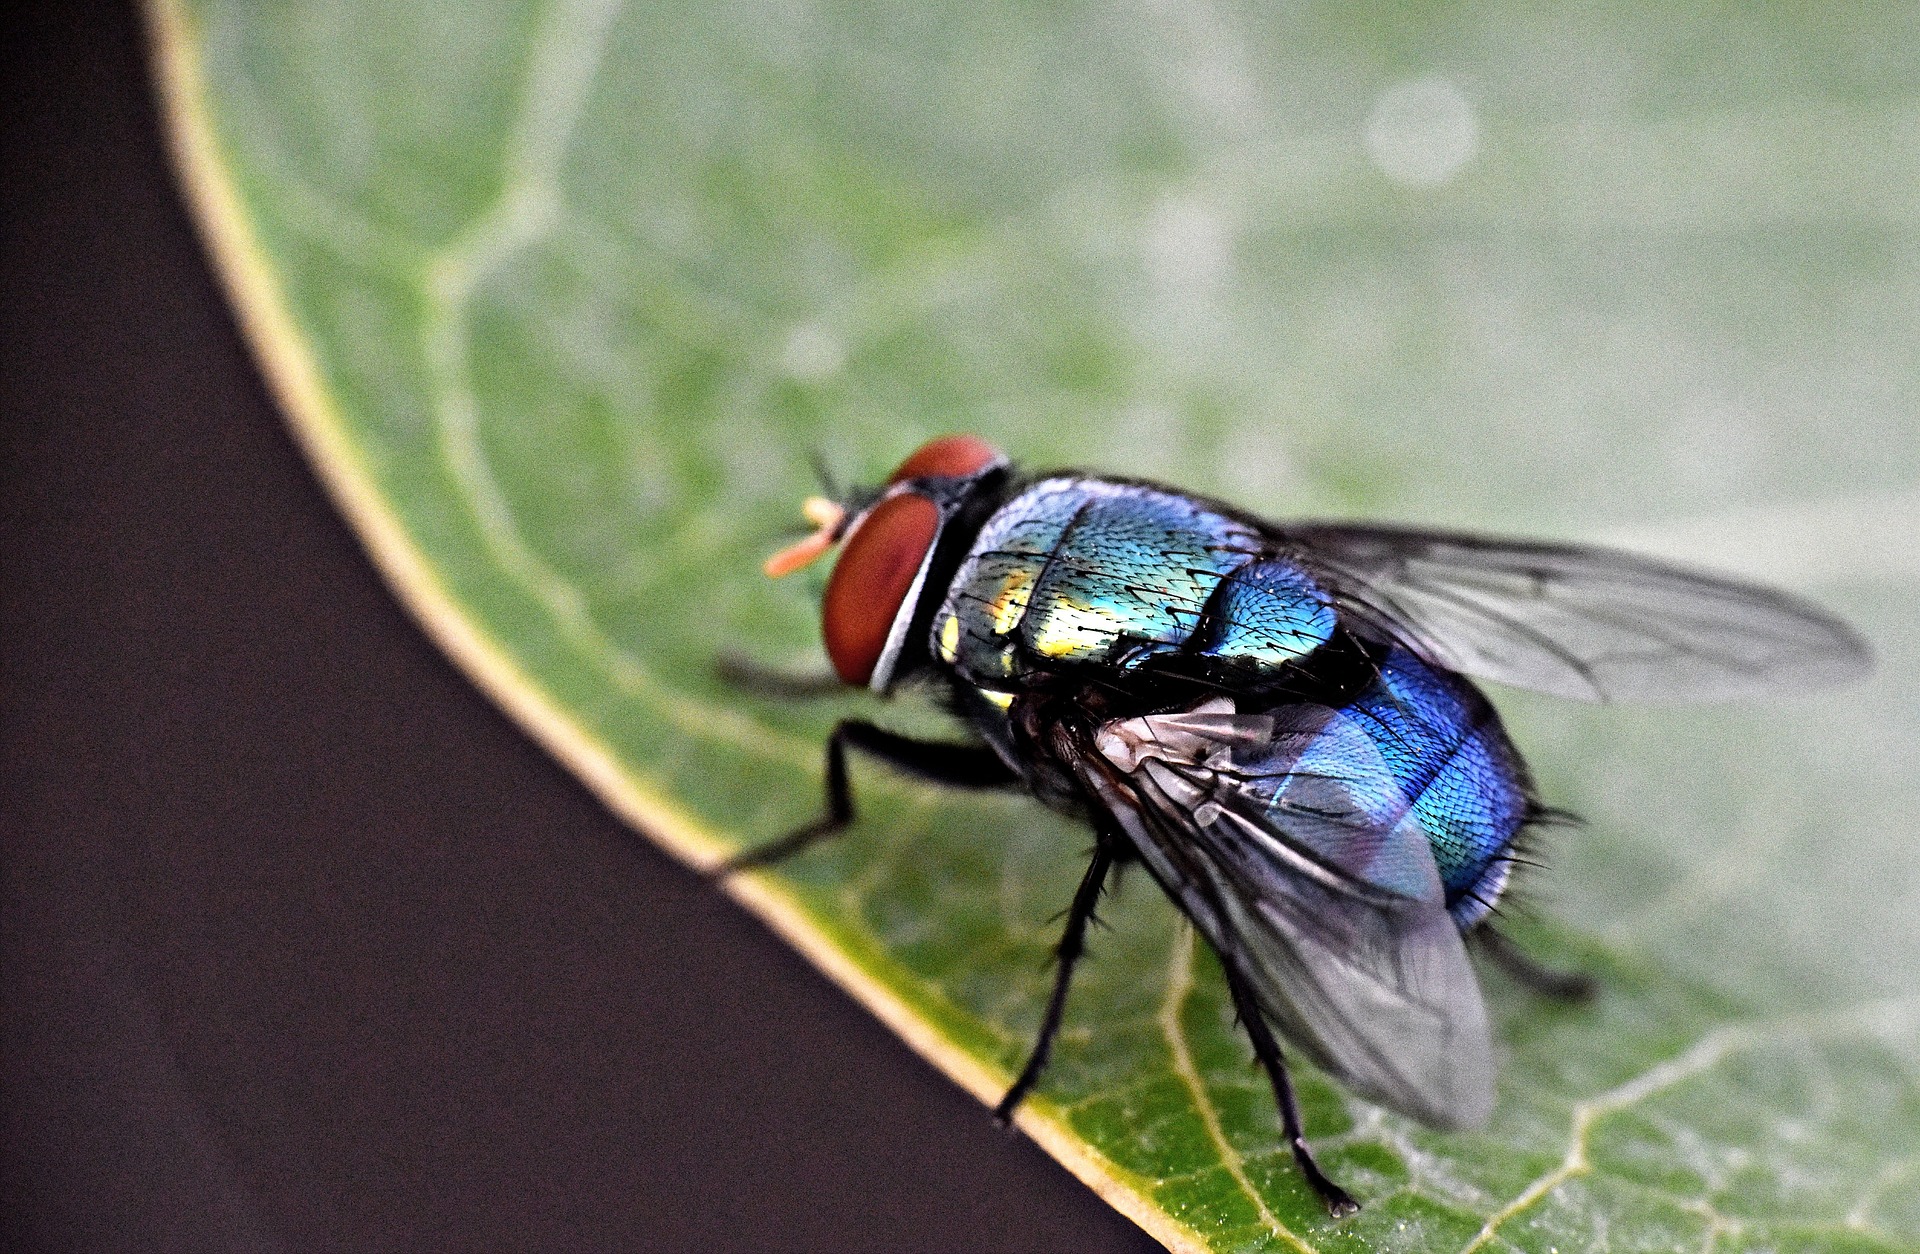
point(1073, 943)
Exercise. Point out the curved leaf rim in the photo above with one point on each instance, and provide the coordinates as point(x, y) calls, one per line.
point(298, 386)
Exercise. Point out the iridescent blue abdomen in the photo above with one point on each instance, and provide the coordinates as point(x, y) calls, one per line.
point(1417, 746)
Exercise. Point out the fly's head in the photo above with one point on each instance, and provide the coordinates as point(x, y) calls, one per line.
point(892, 539)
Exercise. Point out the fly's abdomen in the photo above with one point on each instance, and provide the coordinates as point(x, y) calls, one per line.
point(1449, 762)
point(1417, 758)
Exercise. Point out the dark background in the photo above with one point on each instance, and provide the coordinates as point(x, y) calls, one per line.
point(303, 945)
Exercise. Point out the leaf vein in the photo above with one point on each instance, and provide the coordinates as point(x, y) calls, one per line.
point(1179, 986)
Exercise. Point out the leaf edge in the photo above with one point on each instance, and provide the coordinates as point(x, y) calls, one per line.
point(295, 380)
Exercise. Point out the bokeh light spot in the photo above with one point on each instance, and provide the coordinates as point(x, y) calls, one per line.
point(1422, 132)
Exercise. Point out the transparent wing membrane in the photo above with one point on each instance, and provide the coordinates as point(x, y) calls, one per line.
point(1330, 901)
point(1575, 622)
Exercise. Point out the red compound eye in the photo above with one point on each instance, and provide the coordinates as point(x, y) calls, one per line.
point(955, 456)
point(871, 580)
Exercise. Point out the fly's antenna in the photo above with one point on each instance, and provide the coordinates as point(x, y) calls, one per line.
point(829, 487)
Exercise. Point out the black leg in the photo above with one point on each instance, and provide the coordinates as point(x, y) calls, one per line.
point(738, 671)
point(957, 765)
point(1066, 954)
point(1338, 1201)
point(1569, 986)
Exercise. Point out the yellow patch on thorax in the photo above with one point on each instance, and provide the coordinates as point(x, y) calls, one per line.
point(1010, 605)
point(1074, 629)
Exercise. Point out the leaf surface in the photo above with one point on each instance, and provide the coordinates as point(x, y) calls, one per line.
point(562, 298)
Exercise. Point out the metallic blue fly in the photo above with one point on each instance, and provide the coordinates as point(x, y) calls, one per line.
point(1275, 721)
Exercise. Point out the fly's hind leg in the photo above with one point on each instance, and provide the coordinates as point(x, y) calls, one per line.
point(1073, 943)
point(1338, 1201)
point(1567, 986)
point(956, 765)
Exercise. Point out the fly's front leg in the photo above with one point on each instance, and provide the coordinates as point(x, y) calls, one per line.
point(738, 671)
point(956, 765)
point(1567, 986)
point(1073, 943)
point(1338, 1201)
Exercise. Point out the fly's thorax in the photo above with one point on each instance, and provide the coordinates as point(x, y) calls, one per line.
point(1075, 571)
point(1269, 612)
point(1014, 725)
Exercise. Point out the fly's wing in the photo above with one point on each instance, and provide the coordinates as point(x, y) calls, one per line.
point(1326, 899)
point(1572, 621)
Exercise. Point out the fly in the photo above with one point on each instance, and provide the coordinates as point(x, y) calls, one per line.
point(1277, 721)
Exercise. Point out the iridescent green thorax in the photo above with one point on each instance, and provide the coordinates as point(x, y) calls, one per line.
point(1077, 571)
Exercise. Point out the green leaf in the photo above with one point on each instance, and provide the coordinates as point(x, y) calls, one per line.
point(561, 299)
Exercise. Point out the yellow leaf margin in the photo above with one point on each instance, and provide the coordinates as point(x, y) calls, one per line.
point(295, 379)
